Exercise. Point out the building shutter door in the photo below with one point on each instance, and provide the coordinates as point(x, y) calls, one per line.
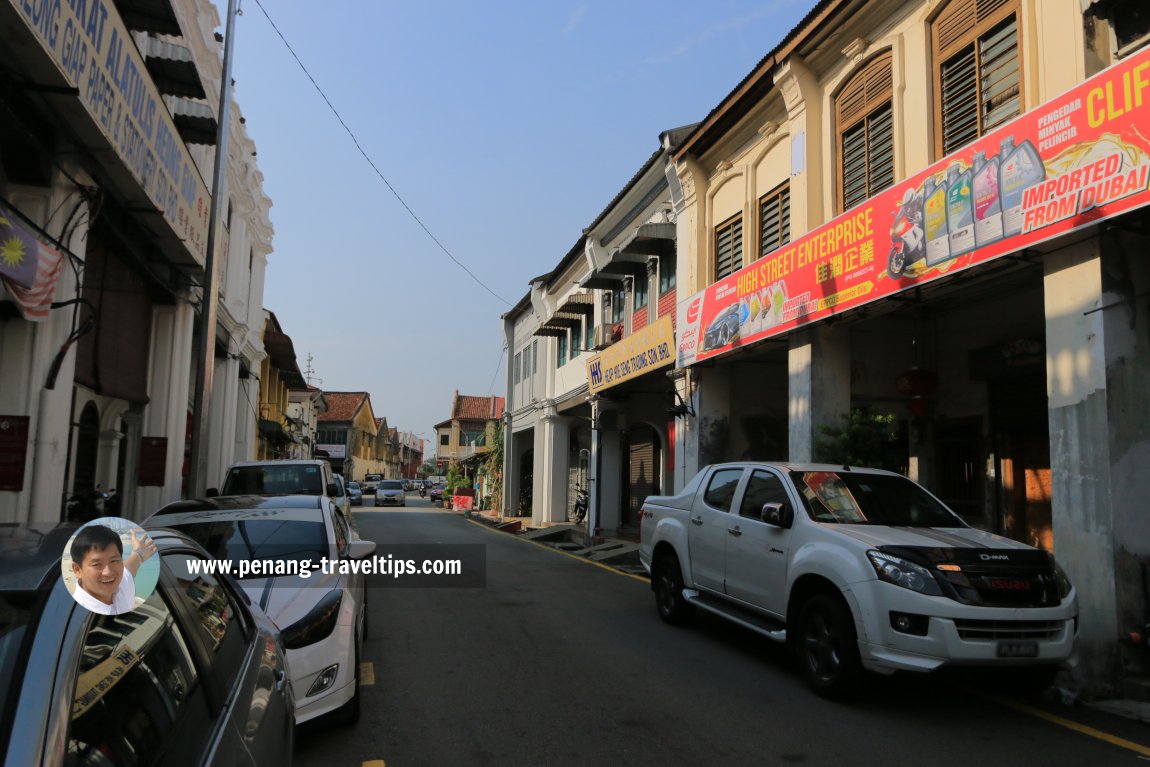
point(644, 475)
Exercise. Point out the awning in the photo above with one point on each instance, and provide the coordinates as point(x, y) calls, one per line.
point(195, 120)
point(552, 330)
point(650, 240)
point(149, 16)
point(273, 430)
point(282, 353)
point(578, 303)
point(603, 281)
point(172, 68)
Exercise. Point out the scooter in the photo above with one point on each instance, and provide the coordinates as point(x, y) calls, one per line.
point(422, 491)
point(579, 512)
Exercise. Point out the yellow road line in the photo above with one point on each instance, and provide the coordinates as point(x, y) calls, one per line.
point(568, 554)
point(366, 673)
point(1083, 729)
point(374, 763)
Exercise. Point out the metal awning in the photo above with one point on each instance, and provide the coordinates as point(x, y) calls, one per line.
point(603, 281)
point(273, 430)
point(650, 240)
point(552, 330)
point(149, 16)
point(195, 120)
point(625, 267)
point(580, 303)
point(172, 68)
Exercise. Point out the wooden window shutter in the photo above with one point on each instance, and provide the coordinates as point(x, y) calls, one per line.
point(978, 85)
point(774, 219)
point(728, 247)
point(865, 123)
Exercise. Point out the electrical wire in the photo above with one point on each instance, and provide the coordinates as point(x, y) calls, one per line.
point(498, 367)
point(370, 162)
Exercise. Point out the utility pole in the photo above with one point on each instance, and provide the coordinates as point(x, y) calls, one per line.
point(205, 366)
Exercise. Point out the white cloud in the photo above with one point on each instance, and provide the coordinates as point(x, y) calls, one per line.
point(574, 19)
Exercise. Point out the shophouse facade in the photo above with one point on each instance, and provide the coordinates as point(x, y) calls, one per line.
point(588, 408)
point(304, 409)
point(348, 434)
point(470, 430)
point(279, 377)
point(108, 220)
point(935, 210)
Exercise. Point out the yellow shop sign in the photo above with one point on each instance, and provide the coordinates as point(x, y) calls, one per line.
point(649, 349)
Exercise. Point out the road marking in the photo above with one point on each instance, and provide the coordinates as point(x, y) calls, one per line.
point(366, 673)
point(568, 554)
point(375, 763)
point(1113, 740)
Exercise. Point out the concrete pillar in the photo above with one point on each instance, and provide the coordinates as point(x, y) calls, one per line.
point(169, 384)
point(712, 438)
point(819, 386)
point(551, 464)
point(1098, 380)
point(222, 420)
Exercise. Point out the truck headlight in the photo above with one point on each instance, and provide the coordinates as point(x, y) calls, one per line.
point(1064, 586)
point(903, 573)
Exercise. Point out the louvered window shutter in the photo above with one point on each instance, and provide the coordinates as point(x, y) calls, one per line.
point(728, 247)
point(774, 220)
point(866, 132)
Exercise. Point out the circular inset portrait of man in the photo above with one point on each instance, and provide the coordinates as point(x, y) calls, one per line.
point(110, 566)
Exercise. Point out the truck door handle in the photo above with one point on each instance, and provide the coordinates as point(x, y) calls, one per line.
point(735, 531)
point(698, 520)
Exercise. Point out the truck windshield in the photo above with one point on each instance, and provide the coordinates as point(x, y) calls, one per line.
point(870, 499)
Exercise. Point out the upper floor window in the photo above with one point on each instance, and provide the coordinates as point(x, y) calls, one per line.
point(865, 125)
point(728, 247)
point(518, 362)
point(666, 273)
point(562, 349)
point(978, 84)
point(445, 439)
point(618, 305)
point(642, 291)
point(774, 219)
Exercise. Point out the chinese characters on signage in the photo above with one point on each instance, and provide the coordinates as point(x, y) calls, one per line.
point(1074, 161)
point(649, 349)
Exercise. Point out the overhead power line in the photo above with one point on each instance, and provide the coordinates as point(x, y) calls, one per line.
point(371, 162)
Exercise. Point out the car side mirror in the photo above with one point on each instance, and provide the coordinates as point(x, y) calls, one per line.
point(360, 549)
point(212, 492)
point(332, 490)
point(778, 514)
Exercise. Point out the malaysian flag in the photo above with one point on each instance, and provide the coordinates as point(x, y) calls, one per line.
point(29, 269)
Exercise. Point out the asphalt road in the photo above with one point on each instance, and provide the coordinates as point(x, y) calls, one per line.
point(559, 662)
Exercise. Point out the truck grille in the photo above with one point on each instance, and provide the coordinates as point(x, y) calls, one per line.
point(976, 630)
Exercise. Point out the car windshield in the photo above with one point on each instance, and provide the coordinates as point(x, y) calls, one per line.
point(237, 540)
point(287, 479)
point(870, 499)
point(353, 485)
point(391, 484)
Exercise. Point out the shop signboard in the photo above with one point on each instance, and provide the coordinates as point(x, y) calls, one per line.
point(96, 55)
point(1069, 164)
point(333, 451)
point(648, 349)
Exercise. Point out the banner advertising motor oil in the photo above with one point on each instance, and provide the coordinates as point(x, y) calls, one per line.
point(1068, 164)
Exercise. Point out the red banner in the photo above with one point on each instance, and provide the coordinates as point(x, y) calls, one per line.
point(1074, 161)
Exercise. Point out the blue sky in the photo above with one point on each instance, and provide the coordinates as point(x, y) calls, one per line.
point(506, 126)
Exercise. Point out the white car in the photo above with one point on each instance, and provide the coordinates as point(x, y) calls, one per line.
point(856, 569)
point(390, 493)
point(322, 617)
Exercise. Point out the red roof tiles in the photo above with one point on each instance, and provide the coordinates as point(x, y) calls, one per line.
point(342, 405)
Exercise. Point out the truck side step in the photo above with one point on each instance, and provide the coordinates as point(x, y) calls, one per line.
point(760, 624)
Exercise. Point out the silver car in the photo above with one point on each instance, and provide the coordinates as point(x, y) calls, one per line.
point(193, 676)
point(355, 493)
point(390, 493)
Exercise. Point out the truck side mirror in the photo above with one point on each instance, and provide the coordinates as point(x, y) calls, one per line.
point(211, 492)
point(778, 514)
point(332, 490)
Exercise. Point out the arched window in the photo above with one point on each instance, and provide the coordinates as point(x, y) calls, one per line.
point(865, 124)
point(978, 75)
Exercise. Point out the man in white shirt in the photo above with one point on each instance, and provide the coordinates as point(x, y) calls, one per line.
point(105, 581)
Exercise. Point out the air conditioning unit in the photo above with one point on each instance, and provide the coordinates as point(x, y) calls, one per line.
point(602, 337)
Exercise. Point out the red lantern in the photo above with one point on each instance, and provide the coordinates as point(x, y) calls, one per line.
point(918, 384)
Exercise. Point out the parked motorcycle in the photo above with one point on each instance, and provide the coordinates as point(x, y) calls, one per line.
point(579, 510)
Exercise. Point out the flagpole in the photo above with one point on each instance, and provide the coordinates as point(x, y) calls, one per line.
point(197, 472)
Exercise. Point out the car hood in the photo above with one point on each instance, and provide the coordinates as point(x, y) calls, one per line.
point(287, 598)
point(876, 536)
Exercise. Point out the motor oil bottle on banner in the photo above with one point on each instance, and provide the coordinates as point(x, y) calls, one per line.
point(959, 210)
point(934, 217)
point(987, 201)
point(1021, 169)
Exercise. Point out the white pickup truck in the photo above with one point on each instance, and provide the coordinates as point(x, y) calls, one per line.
point(856, 569)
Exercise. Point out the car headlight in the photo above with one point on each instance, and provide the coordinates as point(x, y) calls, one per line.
point(903, 573)
point(1064, 586)
point(318, 624)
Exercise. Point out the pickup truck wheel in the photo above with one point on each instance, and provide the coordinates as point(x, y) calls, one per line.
point(668, 582)
point(828, 647)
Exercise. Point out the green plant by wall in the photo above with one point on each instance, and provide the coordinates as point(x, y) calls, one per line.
point(493, 468)
point(454, 479)
point(864, 438)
